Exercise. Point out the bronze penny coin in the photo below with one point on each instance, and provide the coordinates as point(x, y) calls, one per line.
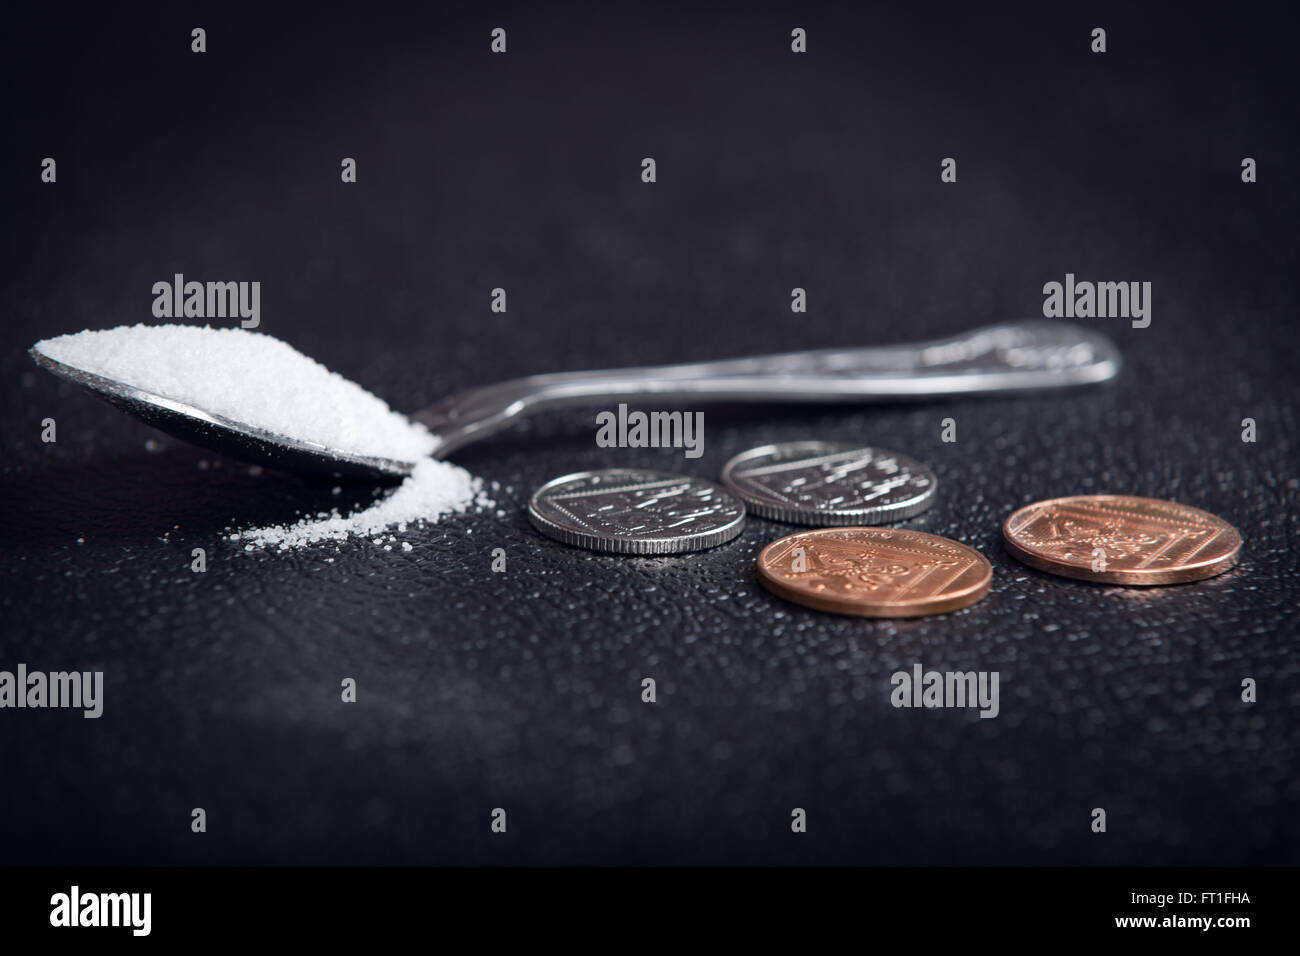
point(874, 572)
point(1119, 539)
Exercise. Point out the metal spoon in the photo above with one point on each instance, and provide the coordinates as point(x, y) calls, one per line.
point(1014, 357)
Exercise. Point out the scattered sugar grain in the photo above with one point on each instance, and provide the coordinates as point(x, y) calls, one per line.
point(433, 490)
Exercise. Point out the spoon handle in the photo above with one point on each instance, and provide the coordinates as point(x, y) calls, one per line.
point(1012, 357)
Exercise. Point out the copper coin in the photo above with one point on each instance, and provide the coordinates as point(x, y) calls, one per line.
point(1118, 539)
point(874, 572)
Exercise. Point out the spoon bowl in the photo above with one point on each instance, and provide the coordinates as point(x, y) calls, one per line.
point(224, 435)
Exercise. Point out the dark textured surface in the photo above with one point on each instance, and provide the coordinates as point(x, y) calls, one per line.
point(521, 690)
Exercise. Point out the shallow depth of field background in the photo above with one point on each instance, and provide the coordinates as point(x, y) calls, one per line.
point(521, 690)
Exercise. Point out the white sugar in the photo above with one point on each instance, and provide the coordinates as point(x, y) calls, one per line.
point(260, 381)
point(250, 378)
point(433, 490)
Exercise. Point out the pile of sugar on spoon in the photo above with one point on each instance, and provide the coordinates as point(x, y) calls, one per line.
point(263, 382)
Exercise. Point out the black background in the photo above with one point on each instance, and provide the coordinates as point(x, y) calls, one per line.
point(521, 690)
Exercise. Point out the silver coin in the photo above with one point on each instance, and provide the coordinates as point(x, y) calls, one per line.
point(820, 483)
point(630, 511)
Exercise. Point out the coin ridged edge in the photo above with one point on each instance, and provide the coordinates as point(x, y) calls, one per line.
point(635, 546)
point(838, 519)
point(1184, 575)
point(868, 515)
